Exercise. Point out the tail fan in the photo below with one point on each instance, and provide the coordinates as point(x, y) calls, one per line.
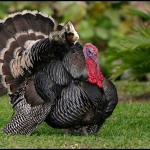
point(18, 32)
point(3, 90)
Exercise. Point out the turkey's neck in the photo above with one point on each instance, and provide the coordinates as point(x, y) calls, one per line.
point(95, 75)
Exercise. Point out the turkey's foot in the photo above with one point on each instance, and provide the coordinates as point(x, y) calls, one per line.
point(86, 130)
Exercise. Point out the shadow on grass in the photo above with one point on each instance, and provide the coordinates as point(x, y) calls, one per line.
point(46, 130)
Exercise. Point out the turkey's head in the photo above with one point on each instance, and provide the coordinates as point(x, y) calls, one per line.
point(95, 75)
point(65, 33)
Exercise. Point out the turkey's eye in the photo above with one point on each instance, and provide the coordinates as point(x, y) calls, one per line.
point(89, 51)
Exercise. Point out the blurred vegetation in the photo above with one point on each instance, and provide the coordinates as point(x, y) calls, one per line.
point(120, 29)
point(129, 57)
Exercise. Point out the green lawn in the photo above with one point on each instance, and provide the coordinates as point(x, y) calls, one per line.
point(128, 127)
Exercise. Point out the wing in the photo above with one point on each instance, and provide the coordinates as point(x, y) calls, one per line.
point(57, 73)
point(70, 109)
point(50, 81)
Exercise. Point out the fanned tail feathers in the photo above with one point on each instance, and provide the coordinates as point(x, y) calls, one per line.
point(18, 32)
point(2, 89)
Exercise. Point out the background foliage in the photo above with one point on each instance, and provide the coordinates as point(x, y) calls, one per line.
point(105, 24)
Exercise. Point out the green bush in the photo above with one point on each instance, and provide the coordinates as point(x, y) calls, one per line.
point(129, 57)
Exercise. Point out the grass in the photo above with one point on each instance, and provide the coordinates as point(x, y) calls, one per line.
point(128, 127)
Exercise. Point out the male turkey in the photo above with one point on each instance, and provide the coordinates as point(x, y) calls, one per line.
point(69, 91)
point(82, 98)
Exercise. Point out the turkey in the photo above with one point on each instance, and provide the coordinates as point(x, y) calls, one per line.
point(63, 85)
point(86, 98)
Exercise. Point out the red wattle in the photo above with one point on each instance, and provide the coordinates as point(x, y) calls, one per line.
point(95, 76)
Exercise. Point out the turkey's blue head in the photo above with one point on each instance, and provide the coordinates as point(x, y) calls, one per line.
point(95, 75)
